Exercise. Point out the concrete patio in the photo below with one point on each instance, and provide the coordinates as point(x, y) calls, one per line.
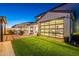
point(6, 49)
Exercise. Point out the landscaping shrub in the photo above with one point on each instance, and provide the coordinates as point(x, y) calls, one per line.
point(37, 34)
point(21, 32)
point(75, 39)
point(11, 32)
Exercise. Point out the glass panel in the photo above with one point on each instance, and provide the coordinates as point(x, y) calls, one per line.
point(47, 34)
point(42, 23)
point(52, 22)
point(42, 33)
point(42, 26)
point(47, 30)
point(46, 23)
point(60, 26)
point(42, 30)
point(59, 21)
point(52, 35)
point(52, 26)
point(52, 31)
point(59, 35)
point(59, 29)
point(46, 26)
point(59, 32)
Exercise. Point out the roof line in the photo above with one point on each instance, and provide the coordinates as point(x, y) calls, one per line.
point(51, 9)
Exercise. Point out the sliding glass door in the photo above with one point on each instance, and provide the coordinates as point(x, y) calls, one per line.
point(53, 28)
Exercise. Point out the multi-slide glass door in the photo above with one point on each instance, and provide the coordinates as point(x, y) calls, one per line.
point(53, 28)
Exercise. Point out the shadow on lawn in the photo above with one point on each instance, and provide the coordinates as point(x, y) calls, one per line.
point(69, 47)
point(23, 48)
point(20, 48)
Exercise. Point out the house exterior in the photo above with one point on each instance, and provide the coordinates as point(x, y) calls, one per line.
point(32, 29)
point(59, 22)
point(22, 26)
point(13, 29)
point(29, 28)
point(2, 27)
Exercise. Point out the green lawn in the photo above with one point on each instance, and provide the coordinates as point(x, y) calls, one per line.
point(43, 46)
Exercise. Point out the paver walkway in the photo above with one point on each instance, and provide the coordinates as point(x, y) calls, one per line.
point(6, 46)
point(6, 49)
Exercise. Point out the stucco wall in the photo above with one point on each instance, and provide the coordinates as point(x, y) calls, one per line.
point(53, 15)
point(67, 28)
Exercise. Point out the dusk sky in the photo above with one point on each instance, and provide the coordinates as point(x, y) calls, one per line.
point(23, 12)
